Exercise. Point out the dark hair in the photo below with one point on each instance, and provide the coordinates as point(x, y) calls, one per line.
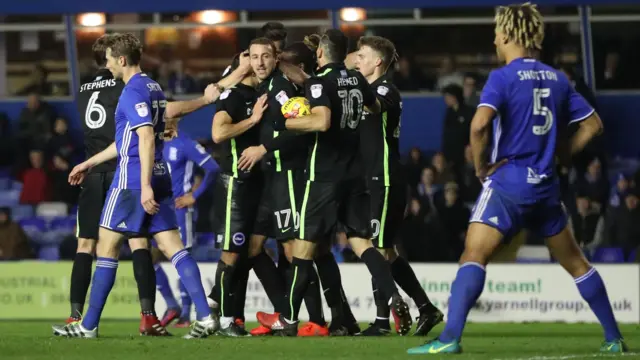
point(99, 50)
point(383, 46)
point(264, 41)
point(455, 91)
point(334, 43)
point(273, 31)
point(299, 53)
point(126, 45)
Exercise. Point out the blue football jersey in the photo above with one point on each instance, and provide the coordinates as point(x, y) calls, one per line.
point(142, 103)
point(532, 101)
point(182, 155)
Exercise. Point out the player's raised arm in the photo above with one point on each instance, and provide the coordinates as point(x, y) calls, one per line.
point(223, 128)
point(178, 109)
point(237, 75)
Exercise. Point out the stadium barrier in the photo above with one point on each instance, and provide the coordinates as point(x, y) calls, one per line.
point(513, 292)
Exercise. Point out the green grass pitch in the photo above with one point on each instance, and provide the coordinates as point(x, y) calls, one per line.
point(119, 340)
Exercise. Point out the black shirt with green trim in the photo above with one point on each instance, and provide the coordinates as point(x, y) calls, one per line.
point(291, 153)
point(379, 134)
point(334, 154)
point(238, 102)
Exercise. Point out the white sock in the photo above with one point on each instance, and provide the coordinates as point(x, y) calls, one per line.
point(225, 322)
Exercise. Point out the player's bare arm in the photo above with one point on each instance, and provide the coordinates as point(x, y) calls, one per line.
point(480, 135)
point(350, 61)
point(223, 129)
point(76, 176)
point(318, 121)
point(146, 150)
point(589, 128)
point(293, 72)
point(178, 109)
point(238, 74)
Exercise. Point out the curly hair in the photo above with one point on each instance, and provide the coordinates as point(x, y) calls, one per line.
point(521, 23)
point(126, 45)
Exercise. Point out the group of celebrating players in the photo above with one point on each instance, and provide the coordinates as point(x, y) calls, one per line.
point(301, 177)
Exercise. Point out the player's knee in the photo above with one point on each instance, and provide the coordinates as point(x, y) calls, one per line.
point(229, 258)
point(87, 246)
point(156, 255)
point(360, 245)
point(287, 248)
point(481, 242)
point(139, 243)
point(256, 243)
point(303, 249)
point(391, 254)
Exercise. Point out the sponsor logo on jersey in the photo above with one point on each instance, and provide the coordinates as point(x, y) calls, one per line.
point(316, 90)
point(282, 97)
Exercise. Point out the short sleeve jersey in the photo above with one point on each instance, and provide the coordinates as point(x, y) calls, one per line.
point(142, 103)
point(182, 155)
point(97, 102)
point(532, 101)
point(335, 153)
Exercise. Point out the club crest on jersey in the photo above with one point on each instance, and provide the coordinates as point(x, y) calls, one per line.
point(282, 97)
point(238, 239)
point(142, 109)
point(316, 90)
point(383, 90)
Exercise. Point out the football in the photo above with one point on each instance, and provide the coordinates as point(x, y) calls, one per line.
point(296, 107)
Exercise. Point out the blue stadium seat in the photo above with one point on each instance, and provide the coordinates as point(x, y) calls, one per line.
point(16, 185)
point(20, 212)
point(9, 198)
point(52, 209)
point(34, 227)
point(5, 183)
point(205, 239)
point(608, 255)
point(49, 253)
point(64, 225)
point(633, 256)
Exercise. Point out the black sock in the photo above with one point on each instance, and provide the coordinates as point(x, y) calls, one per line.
point(329, 273)
point(272, 281)
point(80, 280)
point(313, 300)
point(283, 262)
point(240, 287)
point(224, 281)
point(379, 268)
point(382, 307)
point(346, 309)
point(405, 277)
point(298, 283)
point(214, 294)
point(146, 279)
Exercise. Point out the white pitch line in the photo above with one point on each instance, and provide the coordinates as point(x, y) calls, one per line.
point(567, 357)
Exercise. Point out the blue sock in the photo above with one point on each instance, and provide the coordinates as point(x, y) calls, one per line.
point(190, 277)
point(162, 284)
point(594, 292)
point(465, 291)
point(186, 302)
point(103, 279)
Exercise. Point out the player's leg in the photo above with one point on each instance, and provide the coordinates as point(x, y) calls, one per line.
point(483, 238)
point(186, 223)
point(357, 219)
point(266, 271)
point(90, 203)
point(164, 288)
point(145, 278)
point(565, 250)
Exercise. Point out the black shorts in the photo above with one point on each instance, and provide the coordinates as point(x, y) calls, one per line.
point(90, 203)
point(235, 208)
point(279, 210)
point(325, 204)
point(387, 212)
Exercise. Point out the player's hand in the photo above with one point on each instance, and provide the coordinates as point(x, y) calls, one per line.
point(185, 200)
point(293, 72)
point(251, 156)
point(211, 93)
point(77, 174)
point(148, 202)
point(484, 173)
point(258, 109)
point(170, 129)
point(245, 63)
point(350, 61)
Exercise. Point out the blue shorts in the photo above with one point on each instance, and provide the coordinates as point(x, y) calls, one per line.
point(186, 224)
point(124, 213)
point(546, 217)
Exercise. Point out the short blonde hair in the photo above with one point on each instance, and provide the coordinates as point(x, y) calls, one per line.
point(521, 23)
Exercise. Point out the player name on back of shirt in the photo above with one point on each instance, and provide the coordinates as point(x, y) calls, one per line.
point(98, 83)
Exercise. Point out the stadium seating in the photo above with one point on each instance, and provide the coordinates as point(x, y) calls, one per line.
point(9, 198)
point(20, 212)
point(49, 253)
point(608, 255)
point(533, 254)
point(52, 209)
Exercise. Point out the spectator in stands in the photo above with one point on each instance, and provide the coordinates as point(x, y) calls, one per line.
point(427, 191)
point(61, 143)
point(619, 192)
point(34, 124)
point(612, 78)
point(595, 184)
point(457, 122)
point(14, 244)
point(7, 153)
point(470, 87)
point(405, 78)
point(454, 218)
point(164, 76)
point(444, 170)
point(59, 175)
point(448, 75)
point(414, 232)
point(413, 168)
point(587, 224)
point(38, 83)
point(181, 81)
point(623, 225)
point(35, 181)
point(470, 183)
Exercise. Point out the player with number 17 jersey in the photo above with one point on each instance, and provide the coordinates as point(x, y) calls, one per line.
point(533, 102)
point(142, 103)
